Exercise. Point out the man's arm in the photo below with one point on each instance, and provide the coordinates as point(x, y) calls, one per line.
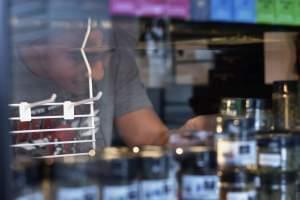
point(142, 127)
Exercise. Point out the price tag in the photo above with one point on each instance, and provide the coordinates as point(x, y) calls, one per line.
point(240, 153)
point(153, 190)
point(205, 187)
point(271, 160)
point(127, 192)
point(34, 196)
point(82, 193)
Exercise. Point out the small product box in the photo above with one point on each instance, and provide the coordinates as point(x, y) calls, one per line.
point(123, 7)
point(151, 8)
point(265, 11)
point(244, 11)
point(285, 11)
point(178, 8)
point(297, 12)
point(200, 10)
point(221, 10)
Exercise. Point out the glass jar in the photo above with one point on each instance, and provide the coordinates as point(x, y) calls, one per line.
point(198, 174)
point(262, 115)
point(284, 104)
point(154, 169)
point(258, 109)
point(296, 136)
point(298, 185)
point(28, 175)
point(237, 184)
point(278, 186)
point(236, 147)
point(72, 179)
point(276, 152)
point(233, 107)
point(117, 172)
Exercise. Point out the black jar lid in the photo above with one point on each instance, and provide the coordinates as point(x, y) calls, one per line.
point(285, 87)
point(154, 162)
point(279, 178)
point(116, 164)
point(28, 172)
point(198, 158)
point(71, 169)
point(275, 139)
point(237, 176)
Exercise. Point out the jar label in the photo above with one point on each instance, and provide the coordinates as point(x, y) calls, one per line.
point(82, 193)
point(240, 153)
point(153, 190)
point(34, 196)
point(205, 187)
point(128, 192)
point(249, 195)
point(271, 160)
point(171, 188)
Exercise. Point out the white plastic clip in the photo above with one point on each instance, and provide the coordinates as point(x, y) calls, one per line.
point(25, 108)
point(69, 106)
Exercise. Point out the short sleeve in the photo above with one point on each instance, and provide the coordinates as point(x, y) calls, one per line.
point(130, 93)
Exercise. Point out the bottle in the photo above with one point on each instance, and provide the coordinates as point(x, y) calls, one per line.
point(284, 104)
point(117, 172)
point(198, 175)
point(236, 146)
point(237, 184)
point(276, 152)
point(71, 179)
point(278, 186)
point(28, 175)
point(154, 169)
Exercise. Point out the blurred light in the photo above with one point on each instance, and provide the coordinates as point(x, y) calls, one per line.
point(106, 24)
point(136, 149)
point(219, 129)
point(179, 151)
point(92, 153)
point(219, 119)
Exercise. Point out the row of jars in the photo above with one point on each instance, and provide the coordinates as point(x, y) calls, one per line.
point(149, 173)
point(261, 137)
point(282, 113)
point(113, 174)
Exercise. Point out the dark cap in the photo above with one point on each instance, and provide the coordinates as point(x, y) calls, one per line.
point(279, 178)
point(198, 159)
point(275, 139)
point(28, 172)
point(285, 87)
point(237, 176)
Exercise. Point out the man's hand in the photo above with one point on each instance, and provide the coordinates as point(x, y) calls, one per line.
point(205, 123)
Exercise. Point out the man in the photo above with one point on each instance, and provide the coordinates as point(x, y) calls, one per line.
point(54, 64)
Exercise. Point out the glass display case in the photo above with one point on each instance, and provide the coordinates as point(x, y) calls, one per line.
point(73, 69)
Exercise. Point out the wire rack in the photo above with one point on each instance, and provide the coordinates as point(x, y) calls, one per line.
point(68, 114)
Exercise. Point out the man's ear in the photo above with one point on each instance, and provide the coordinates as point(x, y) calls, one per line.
point(35, 58)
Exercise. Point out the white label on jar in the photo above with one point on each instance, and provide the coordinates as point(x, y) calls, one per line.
point(271, 160)
point(153, 190)
point(206, 187)
point(240, 153)
point(129, 192)
point(34, 196)
point(82, 193)
point(171, 188)
point(250, 195)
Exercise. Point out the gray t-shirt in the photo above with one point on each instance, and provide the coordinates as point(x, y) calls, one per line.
point(122, 90)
